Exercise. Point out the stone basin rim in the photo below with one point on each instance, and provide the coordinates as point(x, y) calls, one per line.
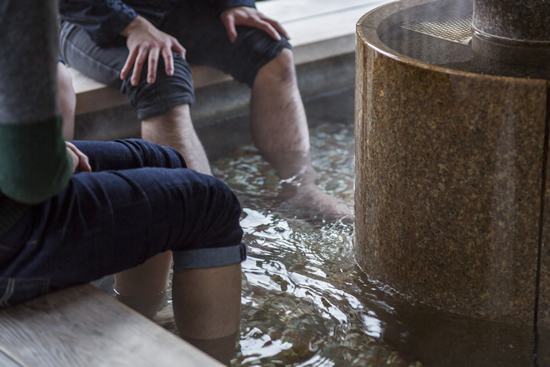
point(369, 35)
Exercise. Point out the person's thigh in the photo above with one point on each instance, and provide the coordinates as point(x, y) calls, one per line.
point(104, 64)
point(109, 221)
point(129, 154)
point(205, 39)
point(99, 63)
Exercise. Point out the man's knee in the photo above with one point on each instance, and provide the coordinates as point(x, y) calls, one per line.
point(226, 205)
point(221, 215)
point(281, 69)
point(167, 92)
point(214, 233)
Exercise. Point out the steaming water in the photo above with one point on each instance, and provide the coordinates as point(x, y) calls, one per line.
point(303, 303)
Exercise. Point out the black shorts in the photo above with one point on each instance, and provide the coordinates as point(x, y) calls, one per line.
point(205, 39)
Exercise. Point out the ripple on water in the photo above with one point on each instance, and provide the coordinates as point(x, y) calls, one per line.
point(301, 305)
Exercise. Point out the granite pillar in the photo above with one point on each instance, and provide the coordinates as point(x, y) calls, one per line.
point(512, 31)
point(451, 165)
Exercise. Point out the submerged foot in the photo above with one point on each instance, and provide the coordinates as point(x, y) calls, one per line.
point(311, 197)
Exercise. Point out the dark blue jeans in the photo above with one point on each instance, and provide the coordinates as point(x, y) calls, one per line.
point(139, 201)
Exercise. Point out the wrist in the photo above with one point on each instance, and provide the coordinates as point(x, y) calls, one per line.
point(138, 22)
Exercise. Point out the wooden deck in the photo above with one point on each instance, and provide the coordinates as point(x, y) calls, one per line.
point(83, 326)
point(319, 29)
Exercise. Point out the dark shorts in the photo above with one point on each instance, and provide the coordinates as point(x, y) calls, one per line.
point(138, 202)
point(205, 39)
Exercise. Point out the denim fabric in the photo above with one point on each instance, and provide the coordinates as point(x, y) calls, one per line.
point(104, 20)
point(204, 36)
point(104, 64)
point(138, 202)
point(200, 31)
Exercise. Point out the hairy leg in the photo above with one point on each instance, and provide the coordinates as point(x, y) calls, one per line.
point(280, 132)
point(67, 100)
point(207, 308)
point(175, 129)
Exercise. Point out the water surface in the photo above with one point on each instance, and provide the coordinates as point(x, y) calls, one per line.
point(301, 304)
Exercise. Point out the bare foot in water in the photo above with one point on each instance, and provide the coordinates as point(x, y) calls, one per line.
point(298, 182)
point(311, 197)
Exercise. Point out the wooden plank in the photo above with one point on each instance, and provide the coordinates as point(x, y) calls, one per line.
point(7, 361)
point(324, 49)
point(82, 326)
point(327, 26)
point(287, 11)
point(93, 95)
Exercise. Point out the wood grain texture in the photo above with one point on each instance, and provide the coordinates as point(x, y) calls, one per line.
point(82, 326)
point(7, 361)
point(288, 11)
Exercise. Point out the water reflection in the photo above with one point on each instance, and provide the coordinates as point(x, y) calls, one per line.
point(302, 305)
point(307, 303)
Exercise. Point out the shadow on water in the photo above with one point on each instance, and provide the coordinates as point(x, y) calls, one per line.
point(307, 303)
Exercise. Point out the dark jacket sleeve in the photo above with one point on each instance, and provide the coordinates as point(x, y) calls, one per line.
point(34, 163)
point(232, 3)
point(102, 19)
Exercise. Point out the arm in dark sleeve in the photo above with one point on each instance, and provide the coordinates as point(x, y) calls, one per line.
point(232, 3)
point(222, 5)
point(102, 19)
point(34, 164)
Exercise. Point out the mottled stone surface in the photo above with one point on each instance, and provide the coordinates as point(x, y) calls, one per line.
point(525, 20)
point(544, 293)
point(512, 31)
point(449, 173)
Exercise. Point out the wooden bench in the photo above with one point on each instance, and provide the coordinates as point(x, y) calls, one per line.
point(320, 29)
point(82, 326)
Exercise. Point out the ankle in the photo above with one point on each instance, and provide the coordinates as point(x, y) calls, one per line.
point(222, 349)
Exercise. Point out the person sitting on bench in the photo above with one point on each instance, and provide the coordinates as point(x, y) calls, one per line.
point(144, 48)
point(71, 213)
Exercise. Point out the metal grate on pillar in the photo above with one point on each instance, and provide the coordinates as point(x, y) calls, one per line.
point(450, 28)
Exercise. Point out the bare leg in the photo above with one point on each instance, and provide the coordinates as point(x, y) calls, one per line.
point(175, 129)
point(280, 132)
point(142, 288)
point(67, 100)
point(207, 308)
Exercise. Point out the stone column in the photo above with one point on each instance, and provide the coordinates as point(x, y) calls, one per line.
point(513, 31)
point(450, 171)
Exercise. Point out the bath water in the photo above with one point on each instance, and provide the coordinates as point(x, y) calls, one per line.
point(305, 301)
point(301, 301)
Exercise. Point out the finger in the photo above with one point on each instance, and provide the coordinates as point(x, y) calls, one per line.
point(277, 27)
point(140, 60)
point(129, 63)
point(229, 23)
point(80, 159)
point(168, 61)
point(153, 63)
point(84, 163)
point(266, 27)
point(74, 158)
point(177, 47)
